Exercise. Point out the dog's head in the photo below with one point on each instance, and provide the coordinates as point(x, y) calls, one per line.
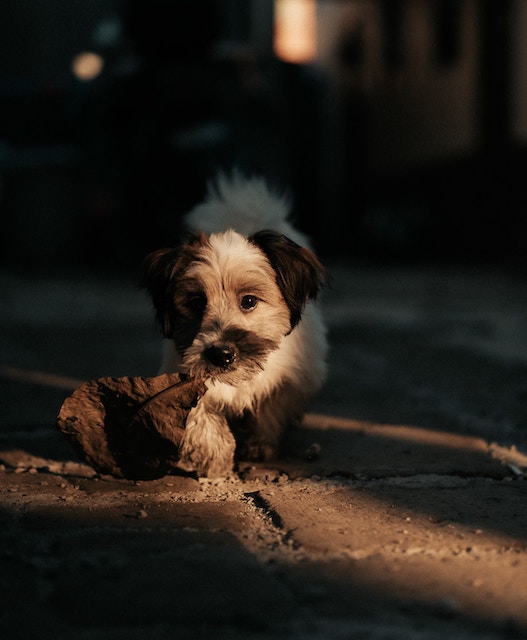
point(227, 301)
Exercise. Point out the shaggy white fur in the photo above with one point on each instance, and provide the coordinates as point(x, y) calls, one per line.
point(237, 304)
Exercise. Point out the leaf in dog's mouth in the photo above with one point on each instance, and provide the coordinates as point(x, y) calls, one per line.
point(130, 427)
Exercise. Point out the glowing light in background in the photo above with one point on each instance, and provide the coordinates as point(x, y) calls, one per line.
point(87, 66)
point(295, 30)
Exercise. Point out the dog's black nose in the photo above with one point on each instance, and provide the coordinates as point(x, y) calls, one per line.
point(220, 355)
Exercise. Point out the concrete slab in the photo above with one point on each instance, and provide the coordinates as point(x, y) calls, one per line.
point(397, 511)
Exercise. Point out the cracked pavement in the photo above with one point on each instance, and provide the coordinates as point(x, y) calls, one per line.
point(398, 509)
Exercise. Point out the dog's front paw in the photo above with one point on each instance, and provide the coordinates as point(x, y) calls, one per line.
point(206, 464)
point(208, 445)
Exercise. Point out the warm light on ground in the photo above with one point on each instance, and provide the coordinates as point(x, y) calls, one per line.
point(295, 30)
point(44, 378)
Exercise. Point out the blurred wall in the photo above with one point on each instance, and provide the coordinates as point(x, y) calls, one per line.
point(403, 139)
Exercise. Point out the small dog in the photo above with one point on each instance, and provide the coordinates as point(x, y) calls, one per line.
point(236, 304)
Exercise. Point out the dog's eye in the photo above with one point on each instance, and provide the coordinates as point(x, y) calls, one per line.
point(196, 302)
point(248, 302)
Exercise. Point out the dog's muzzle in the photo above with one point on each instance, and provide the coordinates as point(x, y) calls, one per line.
point(222, 355)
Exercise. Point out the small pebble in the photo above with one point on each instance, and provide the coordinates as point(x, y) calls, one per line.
point(313, 451)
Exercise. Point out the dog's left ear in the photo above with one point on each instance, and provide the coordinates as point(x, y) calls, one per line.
point(299, 273)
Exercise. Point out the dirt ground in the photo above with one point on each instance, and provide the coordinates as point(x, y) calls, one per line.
point(397, 511)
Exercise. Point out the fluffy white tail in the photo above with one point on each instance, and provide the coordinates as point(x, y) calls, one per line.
point(244, 204)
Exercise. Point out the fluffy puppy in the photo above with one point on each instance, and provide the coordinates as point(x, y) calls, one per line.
point(236, 306)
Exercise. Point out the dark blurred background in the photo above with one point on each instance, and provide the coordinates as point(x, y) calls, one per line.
point(400, 126)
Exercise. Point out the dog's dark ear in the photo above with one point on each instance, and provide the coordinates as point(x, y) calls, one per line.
point(299, 273)
point(161, 270)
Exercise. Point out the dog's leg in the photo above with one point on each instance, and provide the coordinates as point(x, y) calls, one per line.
point(208, 444)
point(275, 415)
